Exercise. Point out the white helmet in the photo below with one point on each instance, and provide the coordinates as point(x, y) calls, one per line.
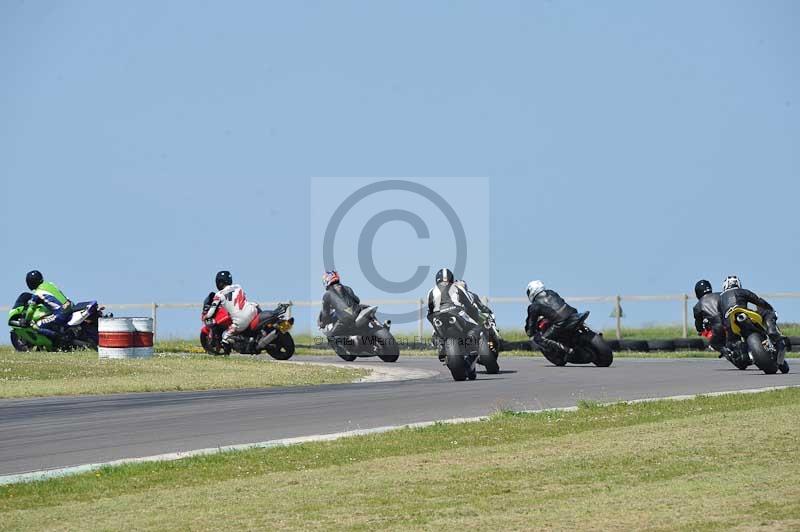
point(731, 282)
point(534, 288)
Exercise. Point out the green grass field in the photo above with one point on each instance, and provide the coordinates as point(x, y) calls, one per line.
point(707, 464)
point(80, 373)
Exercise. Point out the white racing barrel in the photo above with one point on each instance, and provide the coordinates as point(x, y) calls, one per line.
point(125, 337)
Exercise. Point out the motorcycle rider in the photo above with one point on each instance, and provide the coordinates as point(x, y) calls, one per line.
point(49, 296)
point(475, 299)
point(708, 316)
point(340, 308)
point(549, 305)
point(234, 301)
point(447, 294)
point(733, 295)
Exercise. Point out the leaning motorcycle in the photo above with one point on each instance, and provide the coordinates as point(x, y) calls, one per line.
point(460, 356)
point(79, 332)
point(587, 345)
point(371, 337)
point(489, 347)
point(749, 326)
point(269, 331)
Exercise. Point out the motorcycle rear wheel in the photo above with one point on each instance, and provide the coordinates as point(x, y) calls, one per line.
point(763, 358)
point(455, 360)
point(390, 351)
point(603, 356)
point(487, 358)
point(282, 348)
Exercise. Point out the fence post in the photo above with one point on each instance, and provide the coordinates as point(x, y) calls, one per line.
point(685, 315)
point(421, 317)
point(619, 317)
point(155, 319)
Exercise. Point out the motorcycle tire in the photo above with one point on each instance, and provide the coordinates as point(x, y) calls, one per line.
point(455, 360)
point(211, 350)
point(556, 359)
point(282, 348)
point(18, 343)
point(346, 357)
point(603, 355)
point(390, 351)
point(763, 358)
point(487, 358)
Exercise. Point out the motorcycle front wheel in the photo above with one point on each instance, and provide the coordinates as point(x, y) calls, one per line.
point(18, 343)
point(209, 347)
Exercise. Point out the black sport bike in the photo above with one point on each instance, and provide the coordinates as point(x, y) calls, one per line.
point(587, 346)
point(368, 337)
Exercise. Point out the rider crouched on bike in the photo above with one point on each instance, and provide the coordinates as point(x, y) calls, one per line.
point(549, 306)
point(733, 295)
point(708, 316)
point(234, 301)
point(448, 295)
point(49, 296)
point(340, 308)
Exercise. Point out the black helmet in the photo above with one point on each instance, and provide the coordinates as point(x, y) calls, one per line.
point(34, 279)
point(702, 288)
point(444, 276)
point(224, 278)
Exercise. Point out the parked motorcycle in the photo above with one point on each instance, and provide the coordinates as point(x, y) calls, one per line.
point(79, 332)
point(588, 346)
point(460, 355)
point(269, 331)
point(749, 326)
point(371, 337)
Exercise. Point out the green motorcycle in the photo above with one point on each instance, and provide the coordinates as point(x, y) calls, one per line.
point(79, 332)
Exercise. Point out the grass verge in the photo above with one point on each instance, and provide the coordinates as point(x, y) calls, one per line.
point(45, 374)
point(704, 464)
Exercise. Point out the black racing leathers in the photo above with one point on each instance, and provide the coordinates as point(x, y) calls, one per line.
point(450, 298)
point(707, 314)
point(340, 306)
point(550, 306)
point(740, 297)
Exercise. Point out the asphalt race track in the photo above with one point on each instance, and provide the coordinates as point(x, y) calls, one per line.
point(38, 434)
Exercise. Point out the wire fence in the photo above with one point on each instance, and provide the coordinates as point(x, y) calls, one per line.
point(155, 308)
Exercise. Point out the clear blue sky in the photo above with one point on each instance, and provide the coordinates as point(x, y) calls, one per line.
point(631, 146)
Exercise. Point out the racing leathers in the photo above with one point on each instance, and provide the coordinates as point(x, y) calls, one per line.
point(58, 306)
point(340, 308)
point(449, 298)
point(548, 305)
point(708, 317)
point(740, 297)
point(242, 312)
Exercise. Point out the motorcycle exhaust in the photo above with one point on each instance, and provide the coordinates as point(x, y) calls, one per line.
point(263, 342)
